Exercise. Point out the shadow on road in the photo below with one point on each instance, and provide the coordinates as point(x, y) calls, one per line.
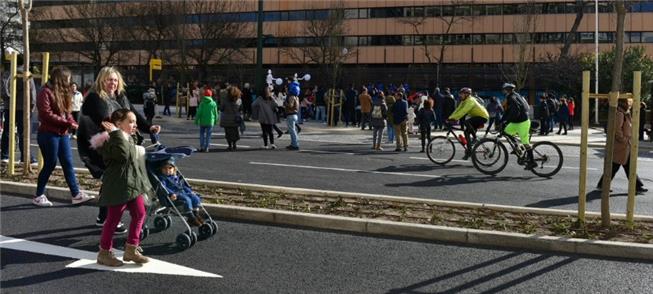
point(593, 195)
point(452, 180)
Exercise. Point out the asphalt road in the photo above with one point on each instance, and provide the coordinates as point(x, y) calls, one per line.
point(256, 258)
point(343, 161)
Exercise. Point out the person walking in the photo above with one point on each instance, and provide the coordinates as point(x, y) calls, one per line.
point(20, 96)
point(107, 95)
point(400, 117)
point(54, 104)
point(495, 110)
point(439, 109)
point(247, 101)
point(207, 117)
point(622, 142)
point(642, 120)
point(264, 110)
point(193, 100)
point(149, 104)
point(571, 104)
point(390, 103)
point(425, 118)
point(291, 106)
point(366, 107)
point(230, 118)
point(170, 96)
point(448, 104)
point(544, 115)
point(563, 116)
point(378, 114)
point(78, 99)
point(125, 185)
point(349, 109)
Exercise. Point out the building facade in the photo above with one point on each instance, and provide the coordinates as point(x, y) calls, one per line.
point(476, 43)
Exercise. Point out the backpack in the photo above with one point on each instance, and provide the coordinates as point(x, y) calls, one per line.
point(377, 112)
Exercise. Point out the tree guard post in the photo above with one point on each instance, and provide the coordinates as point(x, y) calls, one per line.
point(582, 177)
point(634, 147)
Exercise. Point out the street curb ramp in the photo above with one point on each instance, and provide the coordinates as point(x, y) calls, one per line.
point(395, 229)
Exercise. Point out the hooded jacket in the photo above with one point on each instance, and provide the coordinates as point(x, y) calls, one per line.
point(207, 112)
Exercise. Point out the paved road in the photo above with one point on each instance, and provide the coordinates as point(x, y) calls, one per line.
point(256, 258)
point(343, 161)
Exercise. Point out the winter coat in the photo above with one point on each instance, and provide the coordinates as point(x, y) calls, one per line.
point(516, 109)
point(379, 112)
point(366, 103)
point(390, 102)
point(207, 112)
point(51, 120)
point(125, 177)
point(400, 111)
point(470, 107)
point(229, 112)
point(563, 112)
point(425, 118)
point(20, 93)
point(448, 105)
point(265, 111)
point(622, 136)
point(95, 110)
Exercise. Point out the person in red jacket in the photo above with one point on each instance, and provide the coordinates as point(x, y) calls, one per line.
point(572, 106)
point(54, 104)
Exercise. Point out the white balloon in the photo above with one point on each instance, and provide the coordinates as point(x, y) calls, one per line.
point(279, 81)
point(307, 77)
point(344, 51)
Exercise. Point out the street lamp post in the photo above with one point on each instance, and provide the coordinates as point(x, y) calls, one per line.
point(25, 6)
point(258, 76)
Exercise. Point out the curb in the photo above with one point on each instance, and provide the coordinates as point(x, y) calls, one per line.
point(396, 229)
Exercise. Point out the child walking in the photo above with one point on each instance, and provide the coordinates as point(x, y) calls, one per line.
point(425, 118)
point(124, 185)
point(207, 116)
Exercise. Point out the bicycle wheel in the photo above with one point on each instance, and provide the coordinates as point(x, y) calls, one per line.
point(489, 156)
point(548, 157)
point(440, 150)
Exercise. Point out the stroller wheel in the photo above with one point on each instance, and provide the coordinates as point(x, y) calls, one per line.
point(214, 225)
point(206, 231)
point(184, 241)
point(145, 231)
point(161, 223)
point(193, 237)
point(168, 221)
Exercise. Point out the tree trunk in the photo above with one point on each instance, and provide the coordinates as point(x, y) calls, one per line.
point(580, 11)
point(616, 87)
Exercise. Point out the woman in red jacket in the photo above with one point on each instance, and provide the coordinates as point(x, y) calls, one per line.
point(54, 104)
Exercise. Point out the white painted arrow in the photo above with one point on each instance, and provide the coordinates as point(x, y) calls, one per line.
point(87, 259)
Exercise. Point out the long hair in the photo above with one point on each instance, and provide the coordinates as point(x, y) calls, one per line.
point(234, 93)
point(102, 76)
point(63, 93)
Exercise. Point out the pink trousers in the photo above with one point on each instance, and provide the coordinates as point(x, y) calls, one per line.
point(136, 211)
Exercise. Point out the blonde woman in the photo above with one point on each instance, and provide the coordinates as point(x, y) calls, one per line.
point(54, 104)
point(106, 96)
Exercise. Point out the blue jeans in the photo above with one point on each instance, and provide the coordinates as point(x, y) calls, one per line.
point(391, 133)
point(54, 146)
point(292, 120)
point(205, 136)
point(191, 201)
point(320, 114)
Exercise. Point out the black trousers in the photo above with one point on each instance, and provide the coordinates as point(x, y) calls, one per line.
point(267, 134)
point(471, 125)
point(425, 134)
point(615, 169)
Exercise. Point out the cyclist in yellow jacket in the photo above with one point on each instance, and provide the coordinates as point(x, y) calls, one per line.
point(476, 114)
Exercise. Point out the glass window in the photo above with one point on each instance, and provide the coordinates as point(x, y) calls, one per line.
point(606, 37)
point(463, 10)
point(407, 40)
point(394, 12)
point(509, 9)
point(351, 13)
point(321, 14)
point(433, 39)
point(605, 7)
point(247, 17)
point(378, 13)
point(478, 10)
point(418, 11)
point(284, 16)
point(364, 41)
point(493, 38)
point(297, 15)
point(419, 40)
point(448, 39)
point(493, 9)
point(477, 39)
point(646, 6)
point(508, 38)
point(635, 37)
point(270, 42)
point(447, 10)
point(351, 41)
point(363, 13)
point(408, 12)
point(462, 39)
point(586, 37)
point(570, 8)
point(647, 37)
point(393, 40)
point(433, 11)
point(553, 38)
point(272, 16)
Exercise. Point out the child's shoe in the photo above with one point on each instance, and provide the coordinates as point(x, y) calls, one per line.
point(106, 257)
point(133, 253)
point(194, 221)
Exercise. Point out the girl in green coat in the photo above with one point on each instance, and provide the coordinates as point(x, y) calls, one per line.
point(207, 116)
point(124, 185)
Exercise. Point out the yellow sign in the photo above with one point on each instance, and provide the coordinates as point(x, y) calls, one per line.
point(155, 64)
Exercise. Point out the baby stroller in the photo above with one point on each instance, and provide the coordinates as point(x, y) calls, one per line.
point(163, 209)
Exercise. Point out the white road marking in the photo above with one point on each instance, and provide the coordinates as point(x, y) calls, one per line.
point(456, 160)
point(225, 145)
point(87, 259)
point(425, 158)
point(326, 152)
point(345, 169)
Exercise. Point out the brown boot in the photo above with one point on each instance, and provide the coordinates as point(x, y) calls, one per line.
point(133, 253)
point(106, 257)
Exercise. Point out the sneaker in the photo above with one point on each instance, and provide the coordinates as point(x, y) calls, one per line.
point(81, 198)
point(266, 147)
point(99, 223)
point(5, 160)
point(291, 147)
point(273, 146)
point(41, 201)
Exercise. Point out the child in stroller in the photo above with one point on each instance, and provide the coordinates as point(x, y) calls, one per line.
point(178, 190)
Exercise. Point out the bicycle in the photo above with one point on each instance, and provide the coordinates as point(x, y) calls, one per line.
point(441, 149)
point(487, 152)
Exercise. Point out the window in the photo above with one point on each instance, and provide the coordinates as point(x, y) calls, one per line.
point(419, 40)
point(508, 38)
point(407, 40)
point(321, 14)
point(351, 41)
point(478, 10)
point(363, 13)
point(509, 9)
point(463, 10)
point(647, 37)
point(448, 39)
point(447, 11)
point(351, 13)
point(606, 37)
point(272, 16)
point(477, 39)
point(493, 9)
point(462, 39)
point(364, 41)
point(646, 6)
point(433, 11)
point(297, 15)
point(433, 39)
point(552, 38)
point(284, 16)
point(586, 38)
point(247, 17)
point(635, 37)
point(493, 38)
point(418, 11)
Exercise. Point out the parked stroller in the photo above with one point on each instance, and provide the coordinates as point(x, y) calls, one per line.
point(163, 209)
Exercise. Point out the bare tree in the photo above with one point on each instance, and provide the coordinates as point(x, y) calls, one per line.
point(326, 46)
point(571, 37)
point(217, 38)
point(524, 41)
point(9, 27)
